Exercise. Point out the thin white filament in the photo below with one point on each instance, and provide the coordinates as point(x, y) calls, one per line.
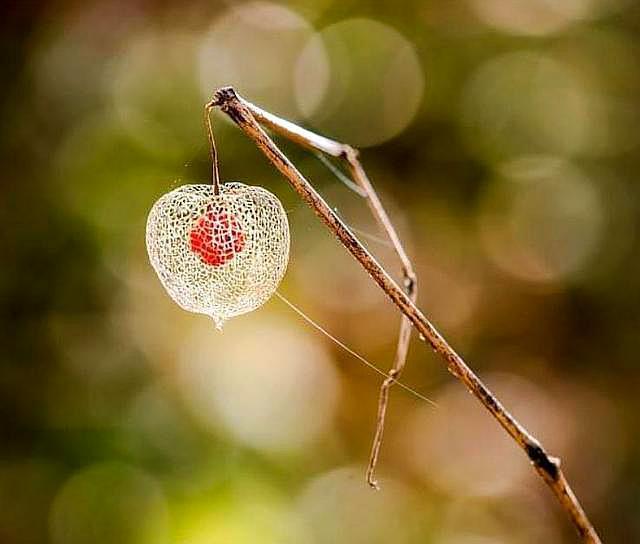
point(364, 233)
point(349, 350)
point(340, 175)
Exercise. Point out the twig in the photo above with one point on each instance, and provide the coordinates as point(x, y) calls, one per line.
point(365, 189)
point(245, 115)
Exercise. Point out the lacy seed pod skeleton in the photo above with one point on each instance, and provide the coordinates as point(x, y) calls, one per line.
point(219, 254)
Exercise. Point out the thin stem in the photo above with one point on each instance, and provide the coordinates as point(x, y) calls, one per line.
point(548, 467)
point(411, 290)
point(213, 151)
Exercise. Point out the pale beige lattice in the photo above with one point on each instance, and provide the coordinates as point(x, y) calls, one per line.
point(219, 255)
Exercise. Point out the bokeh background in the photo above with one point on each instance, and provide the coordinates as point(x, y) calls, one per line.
point(502, 135)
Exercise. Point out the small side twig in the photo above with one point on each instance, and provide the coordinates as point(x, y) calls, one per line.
point(245, 115)
point(410, 284)
point(410, 280)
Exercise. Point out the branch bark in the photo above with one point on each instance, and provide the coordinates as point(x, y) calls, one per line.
point(246, 116)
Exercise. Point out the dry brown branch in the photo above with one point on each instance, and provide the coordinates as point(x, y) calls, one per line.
point(246, 116)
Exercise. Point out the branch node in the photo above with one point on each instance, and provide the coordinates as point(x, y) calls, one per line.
point(542, 461)
point(409, 281)
point(350, 154)
point(223, 95)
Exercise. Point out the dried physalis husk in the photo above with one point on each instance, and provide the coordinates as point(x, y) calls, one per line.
point(220, 255)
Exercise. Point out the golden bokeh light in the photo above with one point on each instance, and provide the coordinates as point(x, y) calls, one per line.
point(530, 17)
point(249, 511)
point(96, 503)
point(525, 102)
point(159, 104)
point(254, 46)
point(463, 452)
point(271, 386)
point(375, 81)
point(339, 508)
point(542, 220)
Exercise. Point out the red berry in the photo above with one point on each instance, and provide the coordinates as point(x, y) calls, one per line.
point(216, 237)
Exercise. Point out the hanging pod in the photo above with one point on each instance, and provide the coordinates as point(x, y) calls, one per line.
point(219, 254)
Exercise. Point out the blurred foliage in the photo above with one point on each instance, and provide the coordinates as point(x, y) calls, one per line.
point(503, 136)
